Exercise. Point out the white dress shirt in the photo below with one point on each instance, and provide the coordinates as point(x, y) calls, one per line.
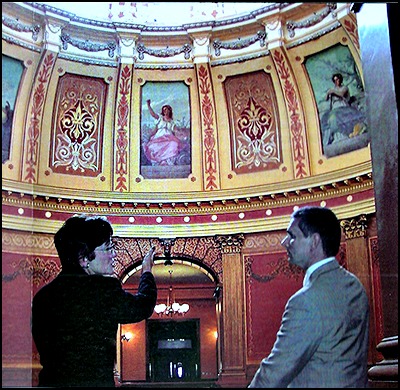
point(315, 266)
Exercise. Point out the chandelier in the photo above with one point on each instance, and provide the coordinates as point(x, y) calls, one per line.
point(172, 307)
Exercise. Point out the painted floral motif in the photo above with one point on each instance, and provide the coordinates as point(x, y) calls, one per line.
point(35, 269)
point(256, 143)
point(78, 132)
point(253, 117)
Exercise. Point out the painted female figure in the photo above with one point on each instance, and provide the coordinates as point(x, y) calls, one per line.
point(6, 123)
point(343, 120)
point(163, 146)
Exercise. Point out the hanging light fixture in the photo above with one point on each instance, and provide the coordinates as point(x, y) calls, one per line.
point(172, 307)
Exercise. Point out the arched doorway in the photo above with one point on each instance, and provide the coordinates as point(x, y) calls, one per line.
point(178, 347)
point(173, 347)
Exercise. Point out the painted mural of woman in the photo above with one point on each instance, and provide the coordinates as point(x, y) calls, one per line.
point(6, 124)
point(163, 146)
point(344, 120)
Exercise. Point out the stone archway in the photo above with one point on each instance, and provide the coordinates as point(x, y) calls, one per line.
point(197, 275)
point(197, 251)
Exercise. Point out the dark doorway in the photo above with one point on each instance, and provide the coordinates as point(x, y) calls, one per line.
point(173, 350)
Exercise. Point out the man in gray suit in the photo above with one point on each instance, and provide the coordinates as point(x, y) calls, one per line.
point(323, 337)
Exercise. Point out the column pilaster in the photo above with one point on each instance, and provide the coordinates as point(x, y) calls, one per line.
point(53, 31)
point(127, 40)
point(201, 45)
point(359, 263)
point(233, 367)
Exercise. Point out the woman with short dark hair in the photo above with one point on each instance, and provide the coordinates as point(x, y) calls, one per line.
point(75, 317)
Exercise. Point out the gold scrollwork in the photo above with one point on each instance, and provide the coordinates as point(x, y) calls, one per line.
point(230, 244)
point(355, 227)
point(35, 269)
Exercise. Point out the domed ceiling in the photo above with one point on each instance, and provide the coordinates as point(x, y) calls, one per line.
point(157, 14)
point(247, 83)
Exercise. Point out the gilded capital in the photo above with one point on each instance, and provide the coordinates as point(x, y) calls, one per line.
point(355, 227)
point(230, 244)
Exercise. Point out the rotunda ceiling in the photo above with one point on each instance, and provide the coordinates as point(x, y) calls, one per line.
point(158, 13)
point(247, 82)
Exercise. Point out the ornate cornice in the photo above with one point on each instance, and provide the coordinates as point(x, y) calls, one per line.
point(195, 225)
point(20, 198)
point(15, 41)
point(163, 66)
point(239, 59)
point(38, 213)
point(90, 61)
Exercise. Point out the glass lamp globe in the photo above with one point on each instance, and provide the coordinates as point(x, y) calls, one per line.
point(160, 308)
point(175, 306)
point(184, 308)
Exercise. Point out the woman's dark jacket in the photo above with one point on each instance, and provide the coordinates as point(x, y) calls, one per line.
point(74, 325)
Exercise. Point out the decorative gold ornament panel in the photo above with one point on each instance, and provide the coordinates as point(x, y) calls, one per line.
point(253, 117)
point(77, 136)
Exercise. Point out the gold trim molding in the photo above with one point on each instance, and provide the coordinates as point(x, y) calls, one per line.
point(269, 223)
point(19, 198)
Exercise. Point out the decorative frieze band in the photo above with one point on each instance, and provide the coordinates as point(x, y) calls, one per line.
point(355, 227)
point(28, 243)
point(163, 53)
point(313, 20)
point(17, 26)
point(87, 45)
point(240, 43)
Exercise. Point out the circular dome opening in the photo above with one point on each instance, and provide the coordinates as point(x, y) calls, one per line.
point(157, 14)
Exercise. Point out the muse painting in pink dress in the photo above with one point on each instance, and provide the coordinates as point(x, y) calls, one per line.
point(163, 146)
